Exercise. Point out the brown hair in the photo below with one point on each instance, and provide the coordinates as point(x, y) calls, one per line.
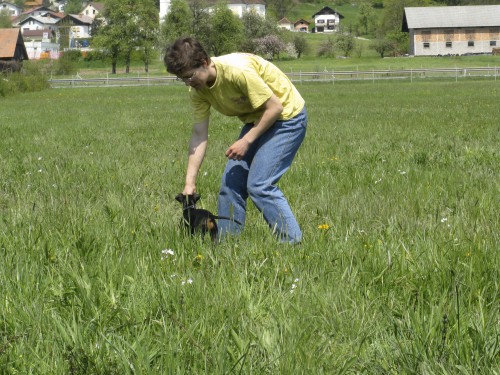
point(185, 54)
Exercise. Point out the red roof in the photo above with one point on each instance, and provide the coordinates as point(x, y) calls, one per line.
point(10, 39)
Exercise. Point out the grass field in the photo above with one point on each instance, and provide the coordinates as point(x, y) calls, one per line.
point(396, 188)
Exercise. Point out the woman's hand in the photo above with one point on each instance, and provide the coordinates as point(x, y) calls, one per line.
point(238, 149)
point(189, 190)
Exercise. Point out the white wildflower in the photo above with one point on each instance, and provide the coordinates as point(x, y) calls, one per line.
point(166, 253)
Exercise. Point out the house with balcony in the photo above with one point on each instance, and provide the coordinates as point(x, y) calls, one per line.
point(327, 20)
point(452, 30)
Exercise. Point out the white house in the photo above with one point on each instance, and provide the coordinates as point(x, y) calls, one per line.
point(238, 7)
point(452, 30)
point(327, 20)
point(92, 9)
point(285, 24)
point(79, 26)
point(40, 11)
point(38, 23)
point(39, 44)
point(11, 9)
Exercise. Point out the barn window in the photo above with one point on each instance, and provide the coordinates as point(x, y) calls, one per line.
point(470, 35)
point(449, 44)
point(493, 43)
point(427, 45)
point(449, 35)
point(426, 36)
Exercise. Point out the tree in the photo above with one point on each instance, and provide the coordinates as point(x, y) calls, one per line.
point(5, 20)
point(255, 27)
point(270, 46)
point(73, 6)
point(112, 35)
point(300, 44)
point(400, 42)
point(381, 46)
point(178, 22)
point(201, 27)
point(129, 24)
point(365, 16)
point(148, 29)
point(281, 7)
point(226, 31)
point(345, 43)
point(327, 48)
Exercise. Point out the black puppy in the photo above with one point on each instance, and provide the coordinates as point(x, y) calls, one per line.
point(199, 220)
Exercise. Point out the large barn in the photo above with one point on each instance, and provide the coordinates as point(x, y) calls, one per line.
point(452, 30)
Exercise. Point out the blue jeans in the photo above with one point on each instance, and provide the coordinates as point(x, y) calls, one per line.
point(256, 176)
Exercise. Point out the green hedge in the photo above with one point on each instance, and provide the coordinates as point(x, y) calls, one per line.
point(30, 78)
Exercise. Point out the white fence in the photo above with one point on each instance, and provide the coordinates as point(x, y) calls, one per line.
point(297, 77)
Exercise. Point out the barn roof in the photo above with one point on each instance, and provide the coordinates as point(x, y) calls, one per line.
point(452, 16)
point(10, 39)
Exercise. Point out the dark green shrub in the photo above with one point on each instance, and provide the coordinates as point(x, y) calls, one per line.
point(72, 55)
point(31, 78)
point(94, 55)
point(65, 65)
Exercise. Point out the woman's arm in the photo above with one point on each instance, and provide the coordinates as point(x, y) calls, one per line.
point(272, 111)
point(197, 149)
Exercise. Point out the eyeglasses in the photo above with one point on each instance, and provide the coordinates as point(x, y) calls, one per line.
point(187, 79)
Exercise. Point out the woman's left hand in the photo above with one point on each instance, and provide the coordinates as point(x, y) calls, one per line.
point(238, 149)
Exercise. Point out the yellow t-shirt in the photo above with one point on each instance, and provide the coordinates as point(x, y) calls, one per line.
point(244, 83)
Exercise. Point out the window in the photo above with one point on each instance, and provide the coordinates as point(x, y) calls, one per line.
point(449, 35)
point(493, 43)
point(320, 21)
point(426, 36)
point(449, 44)
point(470, 35)
point(427, 45)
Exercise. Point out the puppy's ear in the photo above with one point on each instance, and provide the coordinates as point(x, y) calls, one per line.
point(180, 198)
point(196, 197)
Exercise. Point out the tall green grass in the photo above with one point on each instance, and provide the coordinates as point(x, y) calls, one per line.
point(396, 188)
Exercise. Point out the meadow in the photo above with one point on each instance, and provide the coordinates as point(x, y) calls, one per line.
point(397, 190)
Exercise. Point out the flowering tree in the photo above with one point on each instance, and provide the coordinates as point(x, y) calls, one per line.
point(270, 46)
